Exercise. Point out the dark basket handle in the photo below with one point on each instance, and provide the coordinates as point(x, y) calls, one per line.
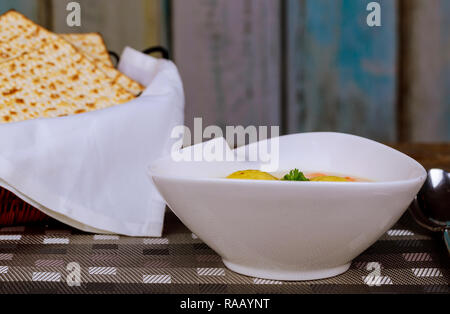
point(115, 56)
point(164, 53)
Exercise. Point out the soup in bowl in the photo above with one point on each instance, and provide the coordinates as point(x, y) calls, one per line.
point(293, 175)
point(284, 224)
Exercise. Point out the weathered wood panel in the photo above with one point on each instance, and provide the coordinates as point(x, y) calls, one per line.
point(425, 70)
point(228, 54)
point(30, 8)
point(445, 37)
point(341, 72)
point(135, 23)
point(341, 75)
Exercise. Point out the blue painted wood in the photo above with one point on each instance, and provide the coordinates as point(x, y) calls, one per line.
point(341, 72)
point(30, 8)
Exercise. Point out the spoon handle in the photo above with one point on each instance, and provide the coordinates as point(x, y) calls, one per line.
point(421, 219)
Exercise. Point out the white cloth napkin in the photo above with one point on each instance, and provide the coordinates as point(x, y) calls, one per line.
point(89, 170)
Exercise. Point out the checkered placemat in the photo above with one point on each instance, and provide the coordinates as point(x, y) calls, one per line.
point(58, 259)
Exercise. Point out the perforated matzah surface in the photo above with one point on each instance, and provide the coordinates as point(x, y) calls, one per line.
point(91, 45)
point(53, 81)
point(19, 35)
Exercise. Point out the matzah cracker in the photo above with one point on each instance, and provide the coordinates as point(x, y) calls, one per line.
point(91, 45)
point(128, 84)
point(55, 80)
point(18, 35)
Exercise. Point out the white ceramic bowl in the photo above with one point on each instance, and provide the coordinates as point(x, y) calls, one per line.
point(293, 230)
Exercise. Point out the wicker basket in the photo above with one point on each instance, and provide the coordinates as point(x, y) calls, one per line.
point(14, 211)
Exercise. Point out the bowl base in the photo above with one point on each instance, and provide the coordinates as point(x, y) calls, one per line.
point(287, 275)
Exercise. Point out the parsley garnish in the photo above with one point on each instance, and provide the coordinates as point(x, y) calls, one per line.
point(295, 175)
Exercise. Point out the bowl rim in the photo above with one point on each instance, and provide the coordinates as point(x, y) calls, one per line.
point(292, 183)
point(419, 178)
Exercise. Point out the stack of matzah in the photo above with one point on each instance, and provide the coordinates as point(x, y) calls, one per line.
point(89, 171)
point(43, 74)
point(91, 45)
point(46, 75)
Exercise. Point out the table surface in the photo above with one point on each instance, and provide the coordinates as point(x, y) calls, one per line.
point(36, 259)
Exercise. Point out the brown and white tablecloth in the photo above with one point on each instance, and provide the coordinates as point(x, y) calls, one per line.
point(407, 259)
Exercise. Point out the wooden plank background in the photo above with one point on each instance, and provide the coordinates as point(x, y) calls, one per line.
point(445, 37)
point(135, 23)
point(228, 54)
point(341, 72)
point(386, 83)
point(425, 60)
point(31, 8)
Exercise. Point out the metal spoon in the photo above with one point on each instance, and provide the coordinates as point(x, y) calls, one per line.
point(431, 208)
